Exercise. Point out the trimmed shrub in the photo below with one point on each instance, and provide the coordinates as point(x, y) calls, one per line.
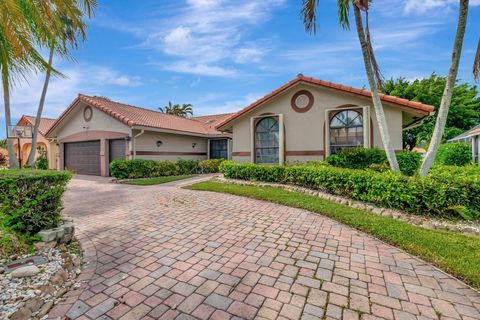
point(139, 168)
point(409, 162)
point(357, 158)
point(30, 200)
point(454, 154)
point(417, 195)
point(210, 165)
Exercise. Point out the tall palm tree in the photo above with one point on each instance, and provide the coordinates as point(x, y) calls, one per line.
point(71, 26)
point(448, 91)
point(183, 111)
point(26, 25)
point(371, 67)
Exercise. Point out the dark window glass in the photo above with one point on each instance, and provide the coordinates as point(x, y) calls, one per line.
point(219, 149)
point(346, 131)
point(266, 141)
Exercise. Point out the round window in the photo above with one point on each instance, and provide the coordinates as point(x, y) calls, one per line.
point(302, 101)
point(87, 113)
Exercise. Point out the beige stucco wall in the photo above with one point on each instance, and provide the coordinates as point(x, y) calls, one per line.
point(174, 146)
point(305, 131)
point(75, 123)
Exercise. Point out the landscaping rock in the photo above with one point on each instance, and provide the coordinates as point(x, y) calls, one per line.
point(26, 271)
point(45, 308)
point(21, 314)
point(48, 235)
point(34, 304)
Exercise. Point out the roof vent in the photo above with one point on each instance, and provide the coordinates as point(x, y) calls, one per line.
point(210, 120)
point(300, 75)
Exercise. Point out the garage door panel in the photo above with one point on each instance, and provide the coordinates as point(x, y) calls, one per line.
point(116, 149)
point(83, 157)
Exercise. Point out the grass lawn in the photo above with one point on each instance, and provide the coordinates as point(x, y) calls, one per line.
point(455, 253)
point(158, 180)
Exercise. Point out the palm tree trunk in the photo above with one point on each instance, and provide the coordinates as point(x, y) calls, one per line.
point(377, 103)
point(12, 159)
point(33, 151)
point(447, 93)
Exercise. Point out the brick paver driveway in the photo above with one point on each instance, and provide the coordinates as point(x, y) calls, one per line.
point(162, 252)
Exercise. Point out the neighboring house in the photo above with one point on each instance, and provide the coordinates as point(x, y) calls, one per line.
point(93, 131)
point(42, 141)
point(471, 136)
point(308, 119)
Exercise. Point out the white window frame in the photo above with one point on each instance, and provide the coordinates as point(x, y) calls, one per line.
point(281, 137)
point(366, 126)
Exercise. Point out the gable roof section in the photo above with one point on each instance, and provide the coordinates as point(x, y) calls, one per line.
point(45, 123)
point(136, 116)
point(467, 134)
point(419, 107)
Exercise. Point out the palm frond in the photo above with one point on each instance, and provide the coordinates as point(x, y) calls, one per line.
point(476, 63)
point(343, 7)
point(309, 15)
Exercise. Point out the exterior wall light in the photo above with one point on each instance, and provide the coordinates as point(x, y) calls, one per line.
point(159, 143)
point(194, 145)
point(128, 138)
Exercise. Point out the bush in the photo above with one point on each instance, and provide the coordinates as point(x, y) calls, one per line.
point(139, 168)
point(42, 162)
point(357, 158)
point(454, 154)
point(409, 162)
point(210, 165)
point(417, 195)
point(30, 200)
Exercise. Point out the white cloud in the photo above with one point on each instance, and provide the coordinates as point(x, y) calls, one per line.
point(210, 33)
point(423, 6)
point(89, 79)
point(199, 69)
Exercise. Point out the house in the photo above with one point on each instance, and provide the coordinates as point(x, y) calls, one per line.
point(93, 131)
point(308, 119)
point(305, 119)
point(471, 136)
point(42, 142)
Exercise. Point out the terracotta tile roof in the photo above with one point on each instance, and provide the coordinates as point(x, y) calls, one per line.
point(136, 116)
point(330, 85)
point(45, 123)
point(474, 132)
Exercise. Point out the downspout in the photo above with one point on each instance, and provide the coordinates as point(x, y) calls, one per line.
point(135, 143)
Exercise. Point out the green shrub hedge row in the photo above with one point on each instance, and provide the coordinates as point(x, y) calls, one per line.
point(30, 200)
point(417, 195)
point(364, 158)
point(139, 168)
point(454, 154)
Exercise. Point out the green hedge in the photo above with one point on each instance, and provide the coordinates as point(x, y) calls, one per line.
point(30, 200)
point(139, 168)
point(417, 195)
point(454, 154)
point(373, 158)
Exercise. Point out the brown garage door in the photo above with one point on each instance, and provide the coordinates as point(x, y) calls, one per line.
point(83, 157)
point(116, 149)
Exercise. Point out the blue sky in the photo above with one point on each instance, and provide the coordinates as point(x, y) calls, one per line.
point(220, 55)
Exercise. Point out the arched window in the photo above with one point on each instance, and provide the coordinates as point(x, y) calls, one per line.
point(266, 141)
point(346, 130)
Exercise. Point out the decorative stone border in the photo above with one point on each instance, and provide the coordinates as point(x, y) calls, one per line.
point(89, 265)
point(424, 222)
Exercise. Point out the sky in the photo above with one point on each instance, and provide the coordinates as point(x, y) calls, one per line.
point(221, 55)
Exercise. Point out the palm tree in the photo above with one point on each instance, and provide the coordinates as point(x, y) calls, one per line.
point(72, 26)
point(183, 111)
point(24, 26)
point(447, 93)
point(371, 66)
point(186, 110)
